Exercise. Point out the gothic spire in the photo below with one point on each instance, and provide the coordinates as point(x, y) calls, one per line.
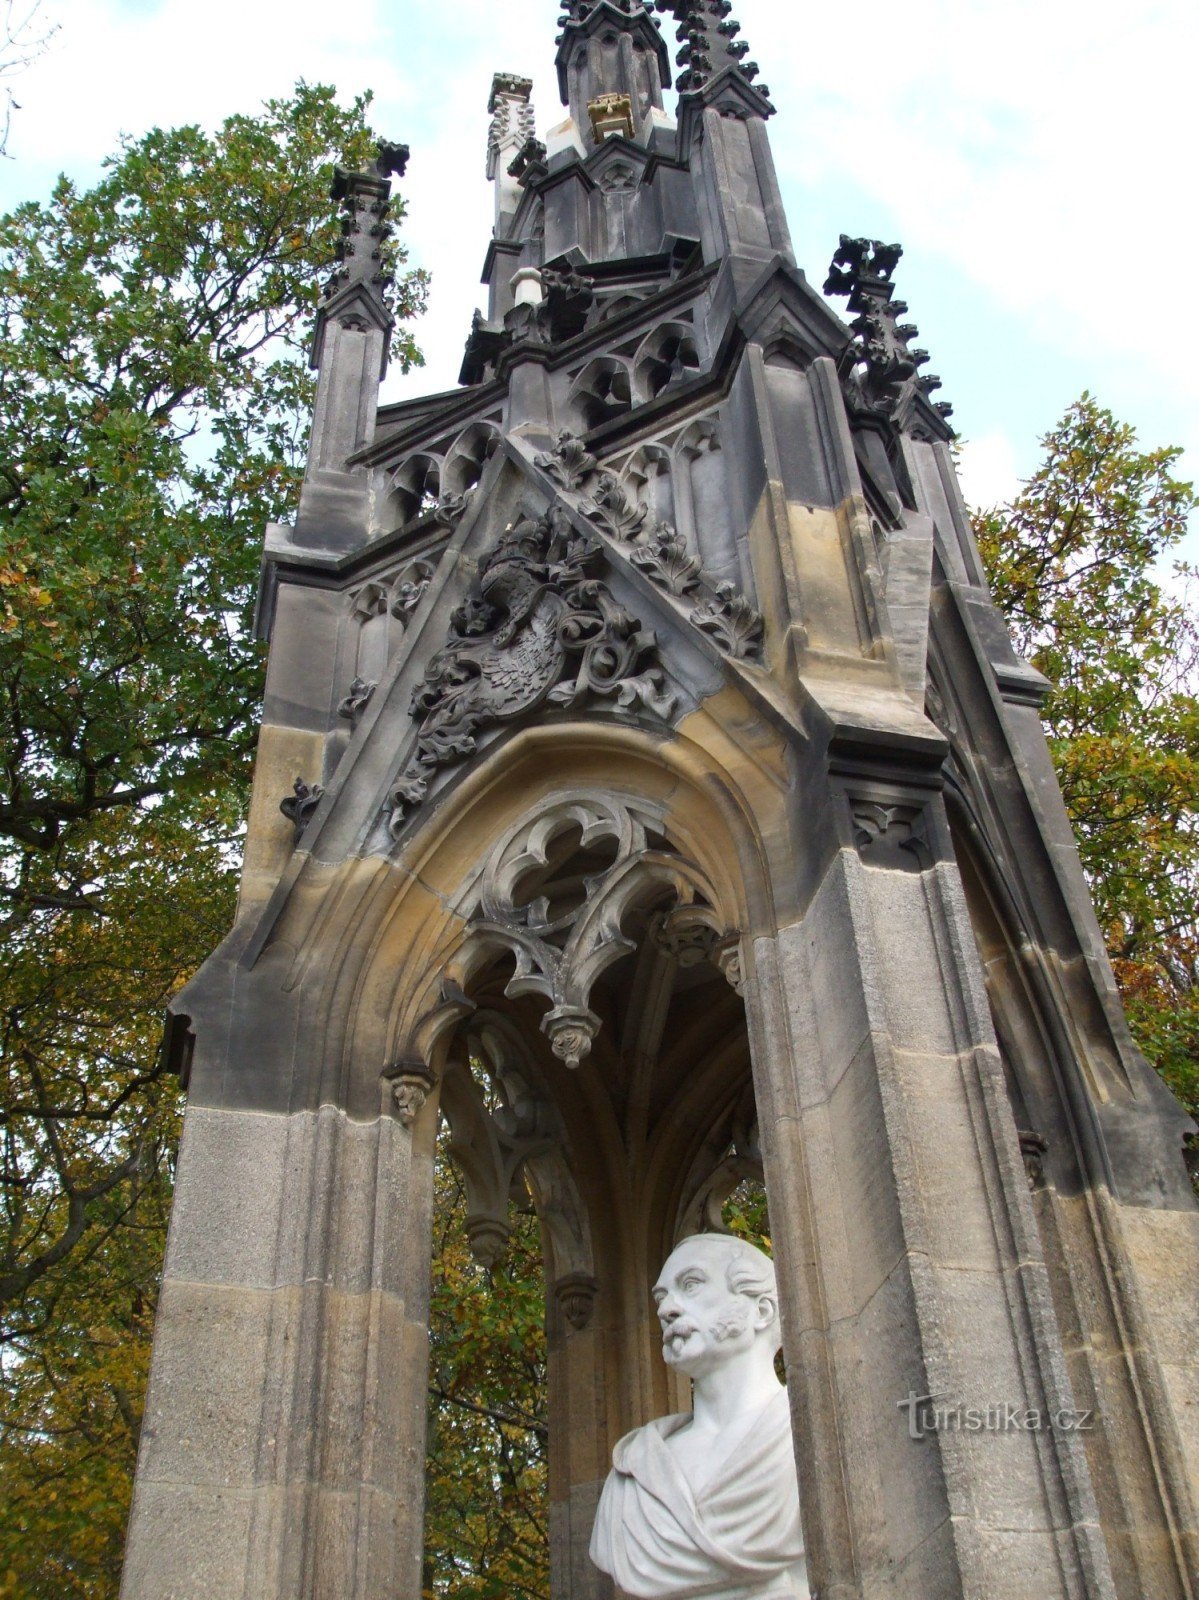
point(710, 47)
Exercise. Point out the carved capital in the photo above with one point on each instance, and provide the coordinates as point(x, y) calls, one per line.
point(488, 1238)
point(411, 1084)
point(575, 1295)
point(891, 834)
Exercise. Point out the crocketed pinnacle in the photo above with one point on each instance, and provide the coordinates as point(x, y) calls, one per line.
point(364, 197)
point(710, 45)
point(862, 269)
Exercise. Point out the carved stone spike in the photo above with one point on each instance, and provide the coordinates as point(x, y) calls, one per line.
point(886, 378)
point(298, 806)
point(569, 463)
point(730, 619)
point(570, 1031)
point(575, 1297)
point(890, 835)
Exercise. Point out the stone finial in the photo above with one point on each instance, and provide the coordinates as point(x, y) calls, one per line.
point(862, 269)
point(364, 196)
point(710, 47)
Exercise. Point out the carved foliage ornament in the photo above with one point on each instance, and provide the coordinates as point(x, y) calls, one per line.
point(539, 627)
point(299, 806)
point(656, 548)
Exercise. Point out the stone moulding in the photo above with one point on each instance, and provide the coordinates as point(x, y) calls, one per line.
point(539, 627)
point(718, 610)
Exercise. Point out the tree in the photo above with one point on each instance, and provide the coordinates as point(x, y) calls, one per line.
point(23, 37)
point(154, 399)
point(1076, 564)
point(486, 1518)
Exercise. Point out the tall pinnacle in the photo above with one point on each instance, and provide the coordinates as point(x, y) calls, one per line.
point(711, 47)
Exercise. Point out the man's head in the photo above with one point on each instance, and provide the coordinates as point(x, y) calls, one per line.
point(716, 1298)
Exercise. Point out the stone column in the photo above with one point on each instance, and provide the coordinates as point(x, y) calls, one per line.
point(909, 1258)
point(283, 1444)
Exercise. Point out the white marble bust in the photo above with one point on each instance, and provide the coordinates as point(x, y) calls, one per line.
point(707, 1503)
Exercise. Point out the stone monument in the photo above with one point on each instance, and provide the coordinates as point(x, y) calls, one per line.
point(640, 737)
point(707, 1502)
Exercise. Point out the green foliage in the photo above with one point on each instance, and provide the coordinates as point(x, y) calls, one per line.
point(1075, 563)
point(486, 1536)
point(154, 400)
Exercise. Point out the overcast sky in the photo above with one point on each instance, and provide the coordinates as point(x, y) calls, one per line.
point(1036, 158)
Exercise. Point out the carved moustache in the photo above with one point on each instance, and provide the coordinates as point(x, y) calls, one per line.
point(724, 1328)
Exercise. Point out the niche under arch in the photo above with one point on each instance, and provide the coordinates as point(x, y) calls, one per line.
point(621, 1148)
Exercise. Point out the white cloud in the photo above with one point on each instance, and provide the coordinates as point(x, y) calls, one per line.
point(989, 471)
point(1047, 150)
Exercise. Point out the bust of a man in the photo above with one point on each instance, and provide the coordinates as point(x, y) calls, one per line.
point(707, 1502)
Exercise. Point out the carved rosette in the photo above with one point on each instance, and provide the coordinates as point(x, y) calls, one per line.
point(540, 628)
